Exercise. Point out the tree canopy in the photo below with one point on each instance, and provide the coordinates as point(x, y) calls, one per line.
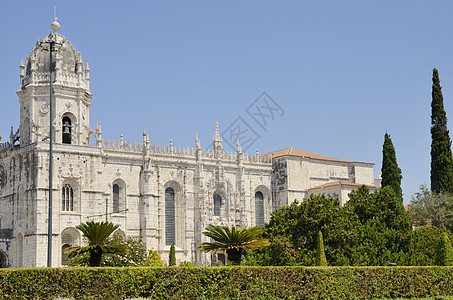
point(97, 234)
point(391, 173)
point(233, 240)
point(428, 208)
point(441, 154)
point(370, 229)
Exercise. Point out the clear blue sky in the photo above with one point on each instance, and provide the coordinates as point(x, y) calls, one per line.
point(344, 72)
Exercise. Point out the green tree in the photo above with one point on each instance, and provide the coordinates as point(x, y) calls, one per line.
point(293, 234)
point(428, 208)
point(391, 173)
point(320, 254)
point(441, 155)
point(96, 233)
point(444, 251)
point(135, 256)
point(385, 222)
point(233, 240)
point(422, 250)
point(154, 259)
point(172, 256)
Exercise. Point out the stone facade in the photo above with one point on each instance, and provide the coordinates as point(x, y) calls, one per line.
point(161, 194)
point(297, 174)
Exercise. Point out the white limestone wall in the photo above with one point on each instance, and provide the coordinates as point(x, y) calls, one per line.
point(364, 173)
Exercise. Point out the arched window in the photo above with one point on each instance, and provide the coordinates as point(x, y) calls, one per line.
point(66, 130)
point(64, 255)
point(2, 178)
point(170, 236)
point(259, 209)
point(116, 198)
point(67, 198)
point(69, 237)
point(3, 260)
point(217, 205)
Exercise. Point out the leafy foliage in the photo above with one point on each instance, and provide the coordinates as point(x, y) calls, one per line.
point(441, 155)
point(136, 253)
point(444, 251)
point(293, 233)
point(320, 254)
point(154, 259)
point(428, 208)
point(422, 247)
point(391, 173)
point(227, 283)
point(172, 256)
point(371, 229)
point(97, 234)
point(135, 256)
point(386, 225)
point(234, 241)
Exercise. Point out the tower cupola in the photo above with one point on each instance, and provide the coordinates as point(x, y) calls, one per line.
point(54, 58)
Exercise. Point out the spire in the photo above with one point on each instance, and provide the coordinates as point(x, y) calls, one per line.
point(87, 71)
point(217, 134)
point(98, 134)
point(22, 68)
point(197, 141)
point(238, 146)
point(217, 142)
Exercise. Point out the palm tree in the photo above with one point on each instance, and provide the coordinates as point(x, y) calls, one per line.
point(97, 233)
point(234, 241)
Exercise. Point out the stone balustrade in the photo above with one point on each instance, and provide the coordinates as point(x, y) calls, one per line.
point(171, 150)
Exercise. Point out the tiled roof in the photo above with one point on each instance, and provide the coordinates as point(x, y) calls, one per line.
point(335, 183)
point(300, 153)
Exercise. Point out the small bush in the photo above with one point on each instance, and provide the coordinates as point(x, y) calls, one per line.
point(172, 256)
point(154, 259)
point(444, 251)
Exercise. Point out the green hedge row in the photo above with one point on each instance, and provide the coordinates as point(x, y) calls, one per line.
point(227, 283)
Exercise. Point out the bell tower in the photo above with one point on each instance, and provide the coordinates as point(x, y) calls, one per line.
point(70, 78)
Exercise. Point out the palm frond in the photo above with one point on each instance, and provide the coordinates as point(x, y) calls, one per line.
point(97, 232)
point(232, 238)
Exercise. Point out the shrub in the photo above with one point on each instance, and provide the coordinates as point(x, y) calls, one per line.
point(154, 259)
point(136, 254)
point(444, 251)
point(227, 283)
point(172, 256)
point(320, 254)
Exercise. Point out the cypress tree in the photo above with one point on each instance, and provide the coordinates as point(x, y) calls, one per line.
point(444, 252)
point(320, 253)
point(391, 173)
point(441, 155)
point(172, 258)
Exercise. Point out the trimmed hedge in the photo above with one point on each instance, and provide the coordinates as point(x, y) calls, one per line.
point(227, 282)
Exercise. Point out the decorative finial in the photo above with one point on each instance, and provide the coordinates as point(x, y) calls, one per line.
point(238, 146)
point(197, 141)
point(217, 134)
point(55, 25)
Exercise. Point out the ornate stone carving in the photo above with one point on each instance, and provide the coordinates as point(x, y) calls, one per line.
point(2, 178)
point(44, 109)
